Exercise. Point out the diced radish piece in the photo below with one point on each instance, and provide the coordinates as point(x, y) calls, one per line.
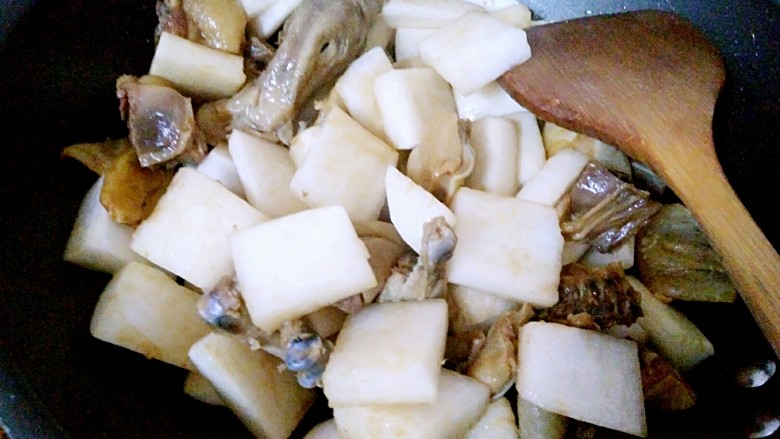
point(197, 70)
point(573, 251)
point(188, 232)
point(269, 402)
point(253, 8)
point(408, 100)
point(490, 100)
point(538, 423)
point(198, 387)
point(403, 368)
point(498, 422)
point(623, 256)
point(424, 13)
point(219, 165)
point(356, 89)
point(344, 153)
point(460, 402)
point(474, 50)
point(555, 178)
point(516, 15)
point(324, 430)
point(493, 5)
point(97, 242)
point(296, 264)
point(475, 308)
point(266, 170)
point(531, 157)
point(518, 242)
point(411, 207)
point(144, 310)
point(267, 22)
point(406, 40)
point(495, 142)
point(557, 138)
point(582, 374)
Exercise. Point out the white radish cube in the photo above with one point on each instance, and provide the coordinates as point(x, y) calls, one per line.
point(269, 402)
point(296, 264)
point(197, 70)
point(219, 165)
point(97, 242)
point(356, 89)
point(411, 207)
point(406, 40)
point(267, 22)
point(424, 13)
point(555, 178)
point(573, 251)
point(144, 310)
point(537, 423)
point(198, 387)
point(324, 430)
point(673, 334)
point(498, 422)
point(531, 157)
point(344, 166)
point(388, 353)
point(493, 5)
point(188, 233)
point(495, 142)
point(582, 374)
point(255, 7)
point(408, 100)
point(623, 256)
point(265, 169)
point(518, 243)
point(460, 402)
point(517, 15)
point(475, 308)
point(557, 138)
point(304, 142)
point(490, 100)
point(474, 50)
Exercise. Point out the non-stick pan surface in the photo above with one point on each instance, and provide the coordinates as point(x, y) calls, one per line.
point(58, 63)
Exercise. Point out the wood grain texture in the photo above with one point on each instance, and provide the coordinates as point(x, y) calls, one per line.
point(647, 83)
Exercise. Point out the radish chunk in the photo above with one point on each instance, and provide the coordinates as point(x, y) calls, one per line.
point(253, 8)
point(97, 242)
point(411, 101)
point(268, 401)
point(324, 430)
point(406, 40)
point(265, 170)
point(296, 264)
point(424, 13)
point(582, 374)
point(475, 309)
point(388, 353)
point(516, 14)
point(343, 166)
point(197, 70)
point(460, 403)
point(267, 22)
point(198, 387)
point(411, 207)
point(491, 47)
point(518, 242)
point(188, 232)
point(493, 5)
point(531, 157)
point(495, 143)
point(498, 422)
point(356, 89)
point(144, 310)
point(555, 178)
point(490, 100)
point(219, 165)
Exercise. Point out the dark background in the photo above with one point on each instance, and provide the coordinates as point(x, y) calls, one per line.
point(58, 63)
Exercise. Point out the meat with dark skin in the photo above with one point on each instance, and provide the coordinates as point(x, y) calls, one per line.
point(161, 123)
point(319, 40)
point(594, 299)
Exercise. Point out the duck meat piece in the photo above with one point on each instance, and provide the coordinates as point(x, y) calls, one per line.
point(594, 299)
point(605, 210)
point(173, 19)
point(318, 41)
point(161, 123)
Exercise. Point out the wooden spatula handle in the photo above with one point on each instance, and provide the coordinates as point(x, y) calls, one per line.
point(752, 262)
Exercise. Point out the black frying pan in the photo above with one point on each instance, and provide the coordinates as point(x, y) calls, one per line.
point(58, 63)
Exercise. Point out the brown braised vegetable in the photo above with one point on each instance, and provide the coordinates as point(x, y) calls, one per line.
point(594, 299)
point(605, 210)
point(663, 386)
point(677, 262)
point(97, 156)
point(130, 192)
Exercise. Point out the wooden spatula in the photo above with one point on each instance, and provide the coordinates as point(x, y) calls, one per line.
point(647, 83)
